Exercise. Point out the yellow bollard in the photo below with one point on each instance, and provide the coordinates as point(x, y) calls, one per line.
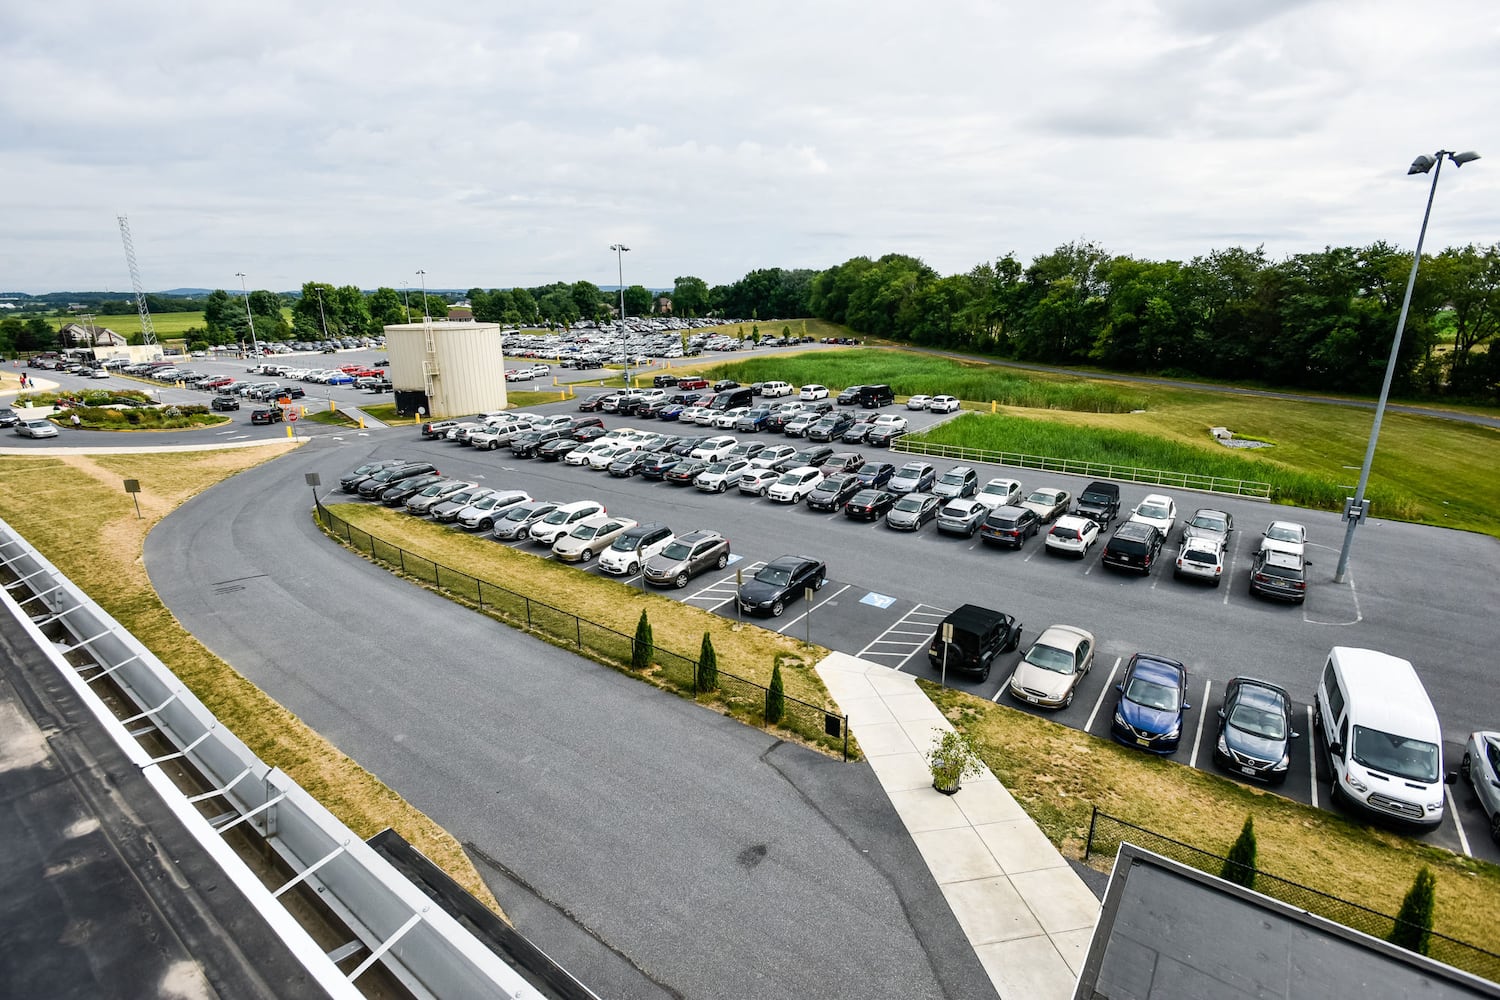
point(332, 406)
point(994, 408)
point(290, 431)
point(361, 423)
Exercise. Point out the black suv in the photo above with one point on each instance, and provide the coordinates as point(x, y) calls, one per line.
point(833, 492)
point(1279, 574)
point(850, 396)
point(1009, 526)
point(830, 427)
point(872, 397)
point(218, 403)
point(979, 635)
point(394, 474)
point(270, 415)
point(1135, 545)
point(1099, 502)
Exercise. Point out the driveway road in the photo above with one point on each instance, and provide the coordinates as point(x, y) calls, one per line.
point(717, 861)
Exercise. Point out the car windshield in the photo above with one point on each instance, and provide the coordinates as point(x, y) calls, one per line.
point(1040, 496)
point(953, 479)
point(1210, 522)
point(1151, 694)
point(1283, 533)
point(776, 576)
point(718, 468)
point(627, 543)
point(1153, 510)
point(909, 504)
point(520, 513)
point(910, 472)
point(1050, 658)
point(586, 531)
point(1258, 721)
point(677, 550)
point(996, 489)
point(790, 479)
point(1416, 760)
point(434, 489)
point(558, 516)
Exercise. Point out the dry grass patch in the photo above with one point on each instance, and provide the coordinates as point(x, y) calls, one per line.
point(743, 649)
point(1059, 774)
point(75, 511)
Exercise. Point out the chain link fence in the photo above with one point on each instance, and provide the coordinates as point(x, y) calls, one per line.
point(741, 697)
point(1106, 832)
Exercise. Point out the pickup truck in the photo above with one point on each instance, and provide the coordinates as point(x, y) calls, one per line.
point(1099, 502)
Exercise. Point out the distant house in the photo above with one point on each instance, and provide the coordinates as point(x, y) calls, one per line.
point(664, 305)
point(460, 314)
point(102, 336)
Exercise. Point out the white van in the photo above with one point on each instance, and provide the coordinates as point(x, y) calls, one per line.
point(1384, 744)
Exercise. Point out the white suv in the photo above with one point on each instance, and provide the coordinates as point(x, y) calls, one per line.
point(558, 523)
point(771, 390)
point(794, 486)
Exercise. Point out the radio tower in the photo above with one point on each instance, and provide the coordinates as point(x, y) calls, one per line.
point(148, 334)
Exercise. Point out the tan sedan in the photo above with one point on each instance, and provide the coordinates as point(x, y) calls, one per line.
point(590, 537)
point(1050, 672)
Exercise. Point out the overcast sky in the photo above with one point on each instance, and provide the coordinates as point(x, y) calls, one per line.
point(510, 144)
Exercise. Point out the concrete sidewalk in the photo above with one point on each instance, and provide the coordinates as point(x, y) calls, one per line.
point(1026, 912)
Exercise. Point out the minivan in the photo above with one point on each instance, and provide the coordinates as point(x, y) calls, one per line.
point(872, 397)
point(1382, 737)
point(728, 399)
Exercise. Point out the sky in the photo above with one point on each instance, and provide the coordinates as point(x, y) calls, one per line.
point(503, 144)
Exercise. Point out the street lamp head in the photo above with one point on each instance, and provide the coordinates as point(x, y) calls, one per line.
point(1459, 159)
point(1421, 165)
point(619, 248)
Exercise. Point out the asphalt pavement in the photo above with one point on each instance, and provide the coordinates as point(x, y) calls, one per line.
point(663, 850)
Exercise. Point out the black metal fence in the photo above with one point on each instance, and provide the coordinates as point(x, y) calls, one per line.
point(1106, 832)
point(743, 698)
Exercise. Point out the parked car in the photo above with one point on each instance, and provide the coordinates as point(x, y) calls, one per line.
point(632, 549)
point(914, 477)
point(686, 556)
point(886, 428)
point(876, 475)
point(715, 448)
point(753, 420)
point(595, 402)
point(780, 582)
point(961, 517)
point(1047, 503)
point(396, 494)
point(1153, 698)
point(631, 463)
point(1211, 523)
point(1200, 559)
point(1049, 674)
point(800, 423)
point(1009, 526)
point(1481, 768)
point(814, 455)
point(959, 481)
point(943, 404)
point(685, 471)
point(870, 504)
point(1099, 502)
point(481, 514)
point(767, 457)
point(1134, 545)
point(918, 402)
point(1288, 536)
point(811, 392)
point(518, 519)
point(912, 510)
point(600, 458)
point(830, 427)
point(1157, 510)
point(795, 485)
point(1279, 574)
point(832, 493)
point(558, 523)
point(1072, 535)
point(36, 428)
point(528, 444)
point(979, 635)
point(423, 501)
point(1000, 493)
point(718, 477)
point(446, 510)
point(349, 482)
point(224, 403)
point(841, 462)
point(658, 464)
point(556, 450)
point(589, 537)
point(1255, 730)
point(849, 396)
point(756, 480)
point(771, 390)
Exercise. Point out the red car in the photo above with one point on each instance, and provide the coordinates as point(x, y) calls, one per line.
point(214, 383)
point(692, 383)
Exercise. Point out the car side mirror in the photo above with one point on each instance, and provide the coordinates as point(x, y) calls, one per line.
point(1186, 706)
point(1450, 777)
point(1336, 748)
point(1120, 688)
point(1221, 716)
point(1296, 735)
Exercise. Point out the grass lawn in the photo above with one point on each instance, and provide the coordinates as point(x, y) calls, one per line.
point(528, 397)
point(75, 512)
point(386, 414)
point(745, 650)
point(165, 324)
point(1059, 774)
point(333, 418)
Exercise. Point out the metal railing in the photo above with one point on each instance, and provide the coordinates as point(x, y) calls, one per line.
point(743, 698)
point(1093, 470)
point(1106, 832)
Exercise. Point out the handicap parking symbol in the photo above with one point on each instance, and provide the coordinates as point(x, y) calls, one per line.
point(877, 600)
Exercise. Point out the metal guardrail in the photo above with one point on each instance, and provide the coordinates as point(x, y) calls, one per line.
point(395, 927)
point(1092, 470)
point(746, 699)
point(1106, 833)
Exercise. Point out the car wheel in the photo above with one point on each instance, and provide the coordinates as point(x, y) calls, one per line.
point(722, 488)
point(1495, 828)
point(1467, 769)
point(984, 674)
point(486, 525)
point(493, 445)
point(723, 560)
point(681, 581)
point(1068, 700)
point(586, 555)
point(777, 609)
point(1218, 580)
point(819, 584)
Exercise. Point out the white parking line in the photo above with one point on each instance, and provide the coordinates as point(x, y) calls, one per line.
point(1458, 823)
point(815, 607)
point(1108, 683)
point(896, 629)
point(1202, 715)
point(1005, 686)
point(1229, 572)
point(1312, 755)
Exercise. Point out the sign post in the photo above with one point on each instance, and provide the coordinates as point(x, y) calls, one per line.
point(739, 584)
point(947, 641)
point(133, 487)
point(314, 480)
point(807, 595)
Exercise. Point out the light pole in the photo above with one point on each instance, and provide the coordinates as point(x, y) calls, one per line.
point(405, 302)
point(254, 347)
point(423, 275)
point(322, 320)
point(621, 250)
point(1355, 507)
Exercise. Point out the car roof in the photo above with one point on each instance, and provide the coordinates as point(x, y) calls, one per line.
point(1063, 637)
point(1156, 498)
point(974, 618)
point(1200, 543)
point(1073, 521)
point(1134, 530)
point(1261, 692)
point(1159, 668)
point(698, 535)
point(789, 561)
point(1281, 558)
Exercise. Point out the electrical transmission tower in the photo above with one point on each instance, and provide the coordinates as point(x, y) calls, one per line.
point(148, 334)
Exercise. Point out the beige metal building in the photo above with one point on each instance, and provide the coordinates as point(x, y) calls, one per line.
point(450, 369)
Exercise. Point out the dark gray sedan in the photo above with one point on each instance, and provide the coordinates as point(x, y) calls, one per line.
point(686, 557)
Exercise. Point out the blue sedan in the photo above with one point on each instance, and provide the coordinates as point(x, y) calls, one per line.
point(1153, 697)
point(339, 380)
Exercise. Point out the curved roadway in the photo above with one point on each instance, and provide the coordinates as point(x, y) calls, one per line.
point(708, 858)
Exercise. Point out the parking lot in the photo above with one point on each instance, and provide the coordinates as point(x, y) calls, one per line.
point(887, 590)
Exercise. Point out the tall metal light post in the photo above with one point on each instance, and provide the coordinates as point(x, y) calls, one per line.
point(254, 346)
point(405, 302)
point(621, 250)
point(1356, 507)
point(423, 275)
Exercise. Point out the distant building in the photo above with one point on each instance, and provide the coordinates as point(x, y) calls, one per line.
point(101, 336)
point(460, 314)
point(664, 305)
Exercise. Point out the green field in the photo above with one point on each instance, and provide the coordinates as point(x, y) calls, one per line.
point(1427, 469)
point(165, 324)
